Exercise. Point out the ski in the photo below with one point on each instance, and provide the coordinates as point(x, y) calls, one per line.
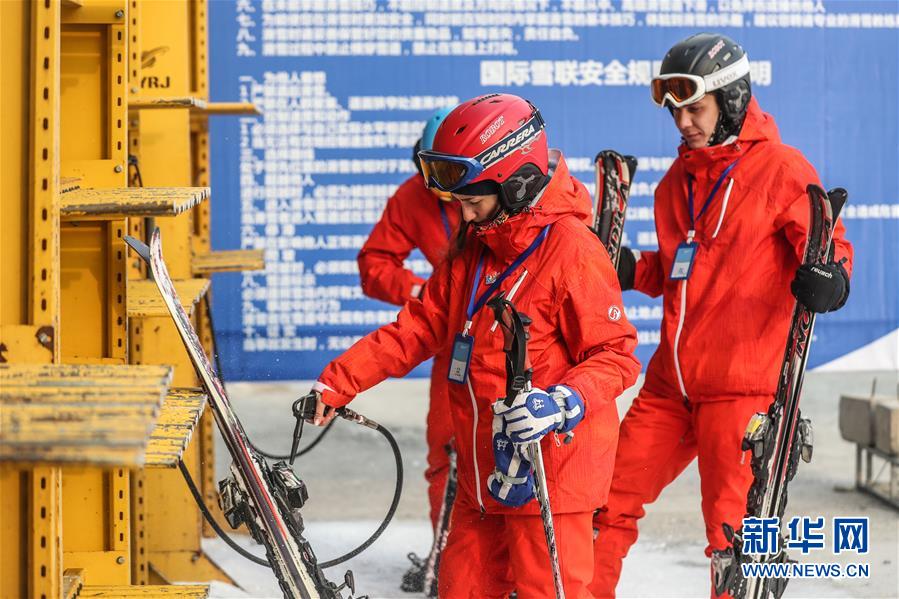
point(441, 533)
point(614, 174)
point(779, 438)
point(518, 380)
point(266, 498)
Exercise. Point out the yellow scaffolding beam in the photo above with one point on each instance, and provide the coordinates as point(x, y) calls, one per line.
point(228, 261)
point(87, 204)
point(144, 298)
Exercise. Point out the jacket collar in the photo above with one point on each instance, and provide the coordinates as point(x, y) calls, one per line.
point(559, 198)
point(710, 162)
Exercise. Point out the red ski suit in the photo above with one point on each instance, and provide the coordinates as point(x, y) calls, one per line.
point(579, 337)
point(723, 331)
point(415, 218)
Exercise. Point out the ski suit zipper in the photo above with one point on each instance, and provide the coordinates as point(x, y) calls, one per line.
point(683, 294)
point(474, 408)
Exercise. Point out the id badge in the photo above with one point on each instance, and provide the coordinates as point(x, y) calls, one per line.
point(460, 359)
point(683, 261)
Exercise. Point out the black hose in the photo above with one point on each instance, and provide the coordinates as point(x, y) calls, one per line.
point(397, 492)
point(391, 511)
point(305, 450)
point(218, 370)
point(215, 525)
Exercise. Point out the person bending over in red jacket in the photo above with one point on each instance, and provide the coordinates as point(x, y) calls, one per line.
point(737, 195)
point(523, 234)
point(416, 217)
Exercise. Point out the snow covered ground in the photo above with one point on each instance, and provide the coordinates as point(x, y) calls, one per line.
point(350, 482)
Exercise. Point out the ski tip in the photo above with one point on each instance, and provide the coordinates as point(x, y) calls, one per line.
point(142, 249)
point(603, 153)
point(838, 197)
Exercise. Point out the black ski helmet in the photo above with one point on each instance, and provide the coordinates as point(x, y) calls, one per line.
point(704, 54)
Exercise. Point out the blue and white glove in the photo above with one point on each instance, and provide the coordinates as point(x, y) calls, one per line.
point(534, 414)
point(570, 405)
point(512, 482)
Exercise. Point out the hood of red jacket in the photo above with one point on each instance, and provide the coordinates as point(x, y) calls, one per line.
point(563, 195)
point(709, 162)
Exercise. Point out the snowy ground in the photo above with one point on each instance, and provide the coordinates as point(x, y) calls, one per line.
point(350, 481)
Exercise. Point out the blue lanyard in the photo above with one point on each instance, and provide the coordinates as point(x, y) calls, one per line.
point(474, 307)
point(443, 217)
point(711, 195)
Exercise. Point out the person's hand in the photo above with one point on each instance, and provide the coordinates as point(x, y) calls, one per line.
point(512, 481)
point(323, 413)
point(532, 415)
point(821, 287)
point(571, 406)
point(627, 268)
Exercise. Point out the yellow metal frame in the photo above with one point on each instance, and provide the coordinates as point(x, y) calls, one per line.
point(95, 148)
point(44, 251)
point(84, 97)
point(93, 288)
point(45, 540)
point(30, 497)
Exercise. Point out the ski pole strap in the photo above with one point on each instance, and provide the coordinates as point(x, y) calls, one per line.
point(518, 375)
point(474, 307)
point(708, 200)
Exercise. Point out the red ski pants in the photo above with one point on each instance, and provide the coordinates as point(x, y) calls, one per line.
point(659, 437)
point(488, 556)
point(439, 434)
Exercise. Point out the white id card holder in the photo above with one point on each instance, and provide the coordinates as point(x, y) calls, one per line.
point(460, 359)
point(683, 261)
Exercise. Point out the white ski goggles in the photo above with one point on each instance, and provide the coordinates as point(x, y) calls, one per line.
point(681, 89)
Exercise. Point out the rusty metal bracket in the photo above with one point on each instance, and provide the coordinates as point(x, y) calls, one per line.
point(46, 336)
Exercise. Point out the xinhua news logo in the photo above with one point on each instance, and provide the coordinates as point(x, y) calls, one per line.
point(763, 537)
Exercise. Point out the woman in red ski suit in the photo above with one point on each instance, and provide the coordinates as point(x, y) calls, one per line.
point(581, 347)
point(416, 217)
point(725, 324)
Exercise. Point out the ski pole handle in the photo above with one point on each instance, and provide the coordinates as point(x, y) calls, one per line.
point(304, 407)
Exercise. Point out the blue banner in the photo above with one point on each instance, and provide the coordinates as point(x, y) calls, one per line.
point(345, 87)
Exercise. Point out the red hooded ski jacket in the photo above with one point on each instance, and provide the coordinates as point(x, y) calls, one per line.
point(413, 218)
point(579, 337)
point(724, 328)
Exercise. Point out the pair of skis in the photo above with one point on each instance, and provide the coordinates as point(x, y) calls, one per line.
point(614, 174)
point(266, 498)
point(778, 439)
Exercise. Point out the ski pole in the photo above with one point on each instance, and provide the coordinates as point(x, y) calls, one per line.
point(518, 380)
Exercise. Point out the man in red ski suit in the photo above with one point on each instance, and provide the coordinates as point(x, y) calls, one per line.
point(725, 322)
point(523, 235)
point(416, 217)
